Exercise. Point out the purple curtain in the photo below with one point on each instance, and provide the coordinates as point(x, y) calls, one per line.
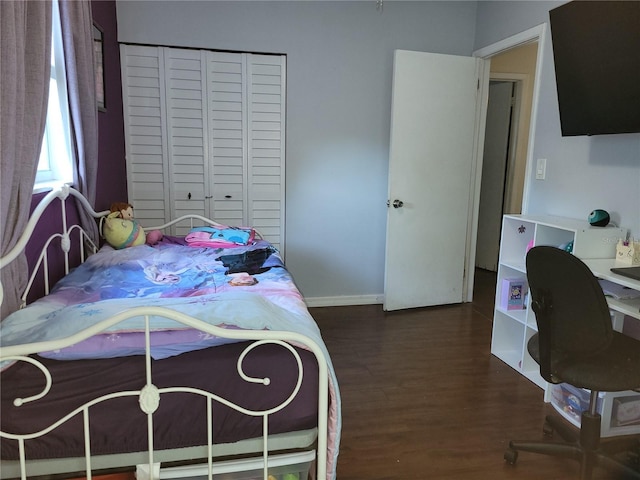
point(77, 39)
point(25, 49)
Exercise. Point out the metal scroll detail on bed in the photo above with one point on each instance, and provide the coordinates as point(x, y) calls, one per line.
point(157, 353)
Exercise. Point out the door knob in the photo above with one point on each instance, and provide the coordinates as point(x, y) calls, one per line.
point(397, 203)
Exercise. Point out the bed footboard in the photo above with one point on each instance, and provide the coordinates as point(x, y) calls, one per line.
point(150, 397)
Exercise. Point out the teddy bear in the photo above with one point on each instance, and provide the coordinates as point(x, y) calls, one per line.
point(121, 230)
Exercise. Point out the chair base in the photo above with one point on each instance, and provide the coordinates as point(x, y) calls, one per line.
point(585, 447)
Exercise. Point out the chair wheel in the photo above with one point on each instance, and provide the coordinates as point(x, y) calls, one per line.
point(511, 456)
point(547, 429)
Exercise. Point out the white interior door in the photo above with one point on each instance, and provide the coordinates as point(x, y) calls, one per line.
point(430, 175)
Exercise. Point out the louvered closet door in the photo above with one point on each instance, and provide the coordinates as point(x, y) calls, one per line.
point(205, 133)
point(186, 127)
point(247, 140)
point(145, 132)
point(266, 145)
point(227, 94)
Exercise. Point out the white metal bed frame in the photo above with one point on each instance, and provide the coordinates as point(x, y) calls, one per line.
point(149, 396)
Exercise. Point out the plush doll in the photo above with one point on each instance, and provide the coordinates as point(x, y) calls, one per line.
point(122, 231)
point(125, 210)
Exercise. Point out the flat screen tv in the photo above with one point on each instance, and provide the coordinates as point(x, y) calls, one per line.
point(596, 52)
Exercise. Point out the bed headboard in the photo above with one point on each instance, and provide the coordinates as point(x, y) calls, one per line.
point(69, 243)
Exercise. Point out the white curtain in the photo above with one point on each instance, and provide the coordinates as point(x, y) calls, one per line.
point(25, 50)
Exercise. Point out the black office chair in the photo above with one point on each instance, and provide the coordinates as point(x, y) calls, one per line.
point(576, 344)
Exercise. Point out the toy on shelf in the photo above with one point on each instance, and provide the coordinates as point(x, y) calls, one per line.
point(599, 218)
point(627, 253)
point(514, 292)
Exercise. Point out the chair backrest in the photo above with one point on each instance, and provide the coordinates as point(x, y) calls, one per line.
point(571, 310)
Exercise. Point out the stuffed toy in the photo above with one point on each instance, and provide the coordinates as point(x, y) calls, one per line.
point(154, 237)
point(122, 231)
point(125, 210)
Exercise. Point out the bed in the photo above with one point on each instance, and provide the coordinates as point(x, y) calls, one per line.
point(180, 359)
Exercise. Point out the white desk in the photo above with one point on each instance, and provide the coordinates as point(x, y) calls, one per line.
point(601, 268)
point(512, 329)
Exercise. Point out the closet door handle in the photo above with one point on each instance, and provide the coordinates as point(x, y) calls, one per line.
point(227, 196)
point(208, 196)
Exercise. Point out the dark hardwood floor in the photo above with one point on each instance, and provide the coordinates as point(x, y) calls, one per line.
point(422, 396)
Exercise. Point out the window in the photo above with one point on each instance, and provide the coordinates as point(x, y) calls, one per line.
point(55, 164)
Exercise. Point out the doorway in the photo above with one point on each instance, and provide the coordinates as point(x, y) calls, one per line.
point(505, 147)
point(517, 59)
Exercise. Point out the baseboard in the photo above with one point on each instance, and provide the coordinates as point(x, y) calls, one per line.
point(344, 300)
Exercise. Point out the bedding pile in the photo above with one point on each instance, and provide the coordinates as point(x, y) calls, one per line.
point(190, 280)
point(237, 287)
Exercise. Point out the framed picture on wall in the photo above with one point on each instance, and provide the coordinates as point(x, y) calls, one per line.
point(98, 55)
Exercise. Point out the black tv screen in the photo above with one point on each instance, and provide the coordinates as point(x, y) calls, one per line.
point(596, 52)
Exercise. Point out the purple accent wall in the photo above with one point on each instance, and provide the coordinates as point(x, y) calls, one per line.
point(112, 174)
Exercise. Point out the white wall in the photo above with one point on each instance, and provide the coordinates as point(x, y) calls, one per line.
point(583, 173)
point(339, 69)
point(339, 61)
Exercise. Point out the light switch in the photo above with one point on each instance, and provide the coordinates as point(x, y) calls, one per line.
point(541, 169)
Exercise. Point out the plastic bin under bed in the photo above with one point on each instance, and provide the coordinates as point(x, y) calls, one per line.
point(288, 466)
